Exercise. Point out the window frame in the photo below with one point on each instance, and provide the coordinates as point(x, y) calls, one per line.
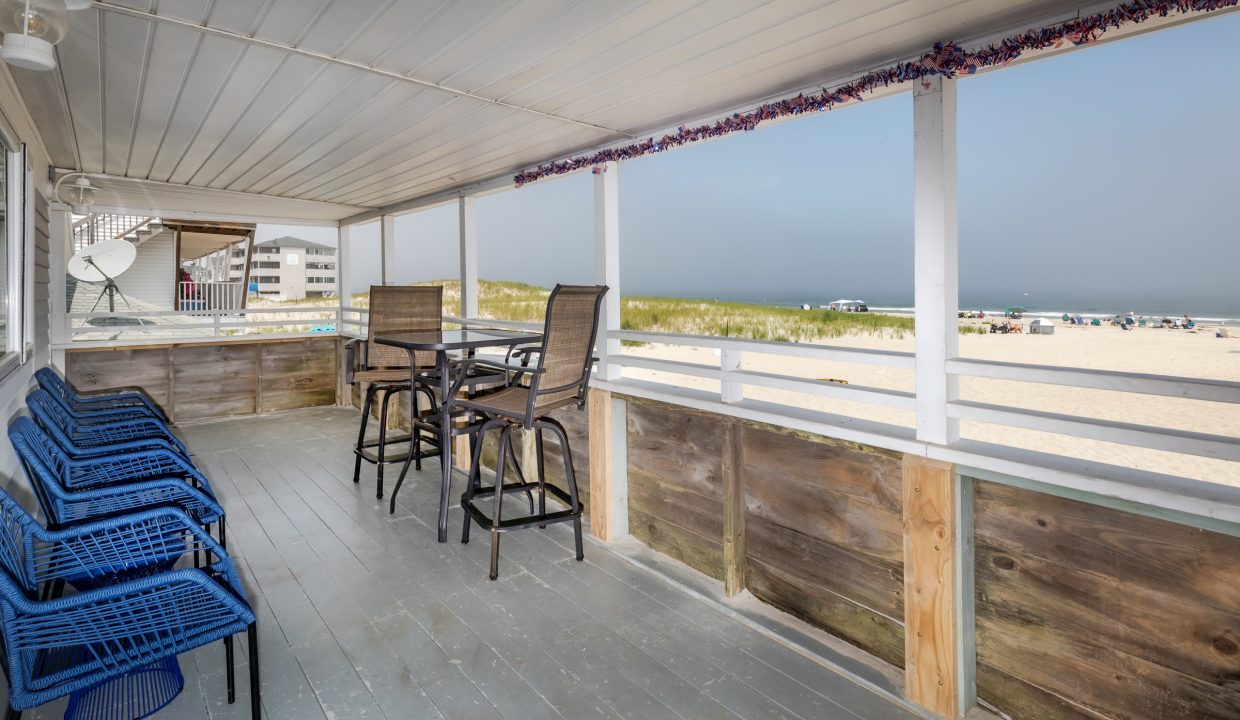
point(19, 211)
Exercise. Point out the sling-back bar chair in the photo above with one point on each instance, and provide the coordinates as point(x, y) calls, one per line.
point(386, 370)
point(557, 376)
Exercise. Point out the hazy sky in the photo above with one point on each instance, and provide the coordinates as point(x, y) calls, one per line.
point(1099, 179)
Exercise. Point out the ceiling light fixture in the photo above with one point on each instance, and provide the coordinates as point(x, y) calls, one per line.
point(79, 196)
point(31, 28)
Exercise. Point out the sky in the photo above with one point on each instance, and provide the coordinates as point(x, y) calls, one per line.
point(1102, 179)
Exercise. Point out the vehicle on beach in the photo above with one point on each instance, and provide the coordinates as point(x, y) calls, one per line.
point(848, 306)
point(1015, 312)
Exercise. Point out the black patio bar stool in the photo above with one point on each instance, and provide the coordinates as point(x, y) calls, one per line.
point(386, 370)
point(555, 374)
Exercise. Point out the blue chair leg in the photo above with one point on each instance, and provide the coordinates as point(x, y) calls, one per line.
point(232, 671)
point(256, 711)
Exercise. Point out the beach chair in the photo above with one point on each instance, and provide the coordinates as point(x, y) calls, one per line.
point(132, 609)
point(72, 491)
point(559, 377)
point(90, 439)
point(119, 402)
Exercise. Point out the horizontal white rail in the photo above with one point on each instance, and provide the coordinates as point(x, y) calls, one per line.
point(1170, 386)
point(885, 358)
point(198, 313)
point(1181, 441)
point(824, 388)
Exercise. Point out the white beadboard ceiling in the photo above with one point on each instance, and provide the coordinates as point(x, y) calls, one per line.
point(465, 90)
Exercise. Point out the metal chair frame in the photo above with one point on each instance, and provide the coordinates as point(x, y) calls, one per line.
point(533, 419)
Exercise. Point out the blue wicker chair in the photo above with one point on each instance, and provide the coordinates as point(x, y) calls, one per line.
point(133, 609)
point(131, 402)
point(106, 438)
point(75, 490)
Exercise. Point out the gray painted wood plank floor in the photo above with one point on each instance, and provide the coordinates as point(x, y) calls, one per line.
point(363, 615)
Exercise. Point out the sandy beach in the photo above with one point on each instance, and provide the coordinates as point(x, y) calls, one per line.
point(1143, 350)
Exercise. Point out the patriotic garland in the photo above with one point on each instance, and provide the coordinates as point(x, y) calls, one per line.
point(947, 59)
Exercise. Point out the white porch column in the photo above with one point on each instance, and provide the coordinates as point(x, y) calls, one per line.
point(935, 269)
point(469, 257)
point(387, 249)
point(607, 262)
point(343, 265)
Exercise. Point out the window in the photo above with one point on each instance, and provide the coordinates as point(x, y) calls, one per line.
point(320, 251)
point(265, 264)
point(267, 279)
point(267, 250)
point(320, 266)
point(16, 209)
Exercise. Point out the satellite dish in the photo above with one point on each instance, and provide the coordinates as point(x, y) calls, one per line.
point(101, 262)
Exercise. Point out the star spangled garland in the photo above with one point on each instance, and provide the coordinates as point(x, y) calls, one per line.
point(947, 59)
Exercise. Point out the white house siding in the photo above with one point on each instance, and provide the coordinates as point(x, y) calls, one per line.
point(150, 279)
point(14, 388)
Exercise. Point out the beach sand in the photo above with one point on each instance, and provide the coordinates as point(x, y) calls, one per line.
point(1142, 350)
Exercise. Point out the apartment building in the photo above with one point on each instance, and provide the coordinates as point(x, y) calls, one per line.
point(288, 268)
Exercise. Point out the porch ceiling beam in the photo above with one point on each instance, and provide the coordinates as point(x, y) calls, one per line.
point(324, 57)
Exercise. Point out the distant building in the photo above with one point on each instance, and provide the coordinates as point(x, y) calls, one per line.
point(288, 268)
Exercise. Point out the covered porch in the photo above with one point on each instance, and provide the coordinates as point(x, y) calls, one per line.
point(755, 549)
point(364, 615)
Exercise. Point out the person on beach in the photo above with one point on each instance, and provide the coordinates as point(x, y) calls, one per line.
point(1130, 319)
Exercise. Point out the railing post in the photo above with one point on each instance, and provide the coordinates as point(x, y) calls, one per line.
point(469, 257)
point(936, 292)
point(607, 262)
point(730, 361)
point(609, 479)
point(939, 656)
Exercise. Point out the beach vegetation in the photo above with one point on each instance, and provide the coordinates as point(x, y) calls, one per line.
point(522, 302)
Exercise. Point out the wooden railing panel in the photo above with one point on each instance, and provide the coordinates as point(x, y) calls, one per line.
point(1091, 612)
point(214, 381)
point(676, 497)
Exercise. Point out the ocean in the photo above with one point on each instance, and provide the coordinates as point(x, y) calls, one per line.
point(1203, 312)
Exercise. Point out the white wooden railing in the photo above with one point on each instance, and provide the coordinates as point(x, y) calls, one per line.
point(197, 296)
point(98, 227)
point(154, 327)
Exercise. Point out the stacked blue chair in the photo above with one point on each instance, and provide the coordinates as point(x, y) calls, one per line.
point(133, 610)
point(131, 402)
point(81, 439)
point(73, 490)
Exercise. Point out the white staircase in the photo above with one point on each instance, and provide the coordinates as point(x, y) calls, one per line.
point(98, 227)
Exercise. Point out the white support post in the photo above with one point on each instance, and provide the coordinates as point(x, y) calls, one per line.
point(730, 361)
point(343, 288)
point(607, 262)
point(469, 257)
point(936, 289)
point(387, 249)
point(61, 230)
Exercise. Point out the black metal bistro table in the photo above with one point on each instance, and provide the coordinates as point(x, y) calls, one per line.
point(441, 342)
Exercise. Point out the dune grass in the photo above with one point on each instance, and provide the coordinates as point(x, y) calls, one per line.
point(520, 302)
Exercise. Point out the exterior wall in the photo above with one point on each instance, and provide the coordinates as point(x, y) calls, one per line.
point(292, 273)
point(201, 380)
point(14, 388)
point(151, 277)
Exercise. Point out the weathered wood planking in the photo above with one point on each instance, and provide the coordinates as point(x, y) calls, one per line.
point(204, 380)
point(1090, 612)
point(675, 482)
point(150, 370)
point(214, 380)
point(297, 374)
point(933, 675)
point(823, 536)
